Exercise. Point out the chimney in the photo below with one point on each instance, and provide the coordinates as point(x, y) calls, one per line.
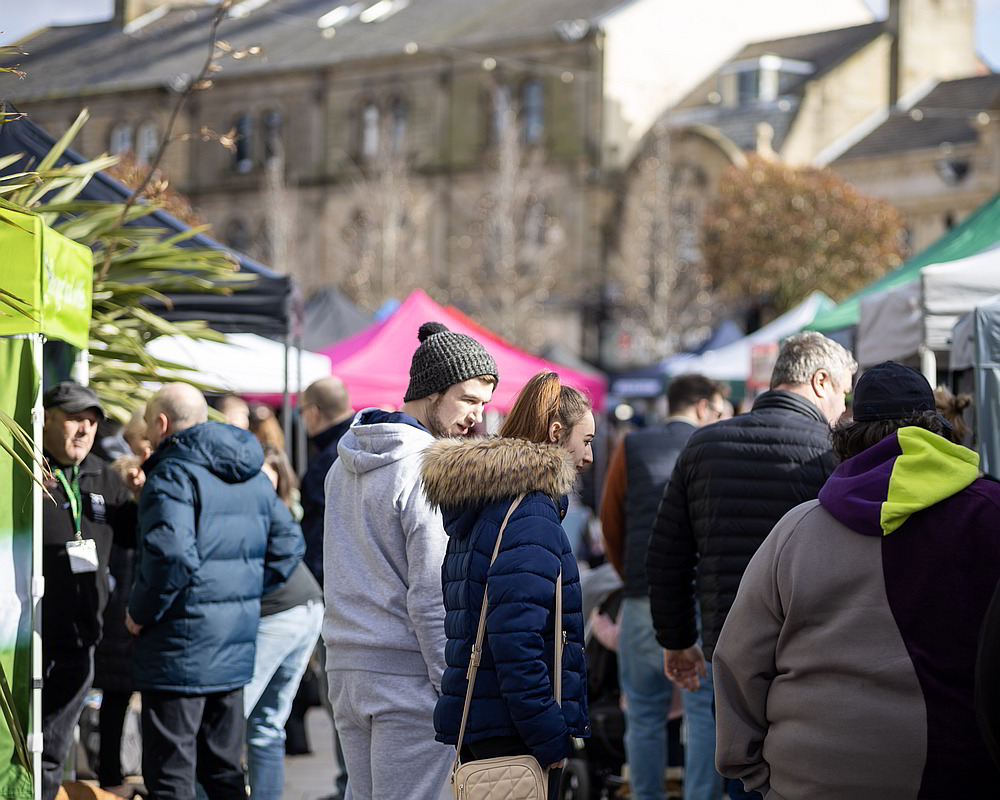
point(932, 40)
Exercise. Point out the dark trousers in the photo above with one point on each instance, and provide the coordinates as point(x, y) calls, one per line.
point(508, 746)
point(114, 707)
point(188, 738)
point(68, 676)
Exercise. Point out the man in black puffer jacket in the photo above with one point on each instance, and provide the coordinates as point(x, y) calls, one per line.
point(733, 482)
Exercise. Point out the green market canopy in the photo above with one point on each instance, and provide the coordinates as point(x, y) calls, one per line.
point(45, 290)
point(973, 235)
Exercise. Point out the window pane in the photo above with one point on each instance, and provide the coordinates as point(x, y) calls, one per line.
point(749, 85)
point(272, 134)
point(149, 141)
point(399, 114)
point(501, 112)
point(369, 131)
point(533, 111)
point(121, 139)
point(243, 157)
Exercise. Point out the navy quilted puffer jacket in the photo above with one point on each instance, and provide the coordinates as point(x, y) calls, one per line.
point(213, 537)
point(474, 482)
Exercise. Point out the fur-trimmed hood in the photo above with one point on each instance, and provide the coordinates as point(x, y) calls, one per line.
point(473, 472)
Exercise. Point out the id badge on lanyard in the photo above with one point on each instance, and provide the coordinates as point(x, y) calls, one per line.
point(82, 552)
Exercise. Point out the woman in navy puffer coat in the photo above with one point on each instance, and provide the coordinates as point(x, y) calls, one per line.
point(543, 443)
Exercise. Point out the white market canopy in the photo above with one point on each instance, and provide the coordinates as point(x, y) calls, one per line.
point(896, 324)
point(733, 362)
point(245, 364)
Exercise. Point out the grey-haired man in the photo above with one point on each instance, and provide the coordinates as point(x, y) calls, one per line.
point(733, 481)
point(383, 550)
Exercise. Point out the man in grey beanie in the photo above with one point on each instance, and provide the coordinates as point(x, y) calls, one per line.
point(383, 546)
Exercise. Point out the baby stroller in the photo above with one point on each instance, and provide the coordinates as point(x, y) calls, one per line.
point(594, 773)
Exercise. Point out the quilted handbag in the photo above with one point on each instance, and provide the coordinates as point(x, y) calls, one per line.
point(506, 777)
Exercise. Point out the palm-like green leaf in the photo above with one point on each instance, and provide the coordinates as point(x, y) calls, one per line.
point(132, 264)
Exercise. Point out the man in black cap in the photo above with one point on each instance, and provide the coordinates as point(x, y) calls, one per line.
point(383, 549)
point(846, 666)
point(92, 508)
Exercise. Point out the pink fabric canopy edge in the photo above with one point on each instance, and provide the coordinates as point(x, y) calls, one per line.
point(375, 363)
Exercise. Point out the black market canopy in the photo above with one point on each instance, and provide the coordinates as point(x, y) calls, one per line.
point(269, 305)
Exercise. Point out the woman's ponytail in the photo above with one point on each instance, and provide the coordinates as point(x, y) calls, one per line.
point(542, 401)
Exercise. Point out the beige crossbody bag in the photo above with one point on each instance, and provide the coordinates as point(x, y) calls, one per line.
point(520, 777)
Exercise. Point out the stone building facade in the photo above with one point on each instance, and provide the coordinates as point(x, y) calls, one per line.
point(475, 149)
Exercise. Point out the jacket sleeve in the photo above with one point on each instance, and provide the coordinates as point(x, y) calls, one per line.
point(671, 561)
point(124, 513)
point(613, 511)
point(168, 551)
point(743, 667)
point(285, 545)
point(426, 542)
point(313, 512)
point(521, 585)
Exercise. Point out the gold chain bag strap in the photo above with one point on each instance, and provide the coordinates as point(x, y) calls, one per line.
point(520, 777)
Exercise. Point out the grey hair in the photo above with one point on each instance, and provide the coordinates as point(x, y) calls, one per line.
point(802, 354)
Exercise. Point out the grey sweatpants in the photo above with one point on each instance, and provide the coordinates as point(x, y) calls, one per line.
point(386, 727)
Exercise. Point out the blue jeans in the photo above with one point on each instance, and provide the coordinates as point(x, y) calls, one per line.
point(736, 791)
point(284, 643)
point(649, 693)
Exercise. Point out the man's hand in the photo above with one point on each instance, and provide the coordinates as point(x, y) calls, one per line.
point(684, 667)
point(557, 765)
point(133, 628)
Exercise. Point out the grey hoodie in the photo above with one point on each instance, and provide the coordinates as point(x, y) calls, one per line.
point(383, 547)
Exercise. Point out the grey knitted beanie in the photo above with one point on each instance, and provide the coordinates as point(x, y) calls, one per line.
point(445, 358)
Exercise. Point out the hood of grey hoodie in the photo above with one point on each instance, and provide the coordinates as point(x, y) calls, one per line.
point(369, 446)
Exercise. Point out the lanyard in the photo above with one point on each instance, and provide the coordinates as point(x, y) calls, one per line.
point(75, 497)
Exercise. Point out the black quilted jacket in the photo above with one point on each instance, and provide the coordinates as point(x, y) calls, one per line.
point(733, 482)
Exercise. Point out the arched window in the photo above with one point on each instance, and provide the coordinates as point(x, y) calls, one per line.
point(369, 133)
point(501, 113)
point(147, 142)
point(121, 139)
point(398, 113)
point(532, 111)
point(272, 135)
point(243, 155)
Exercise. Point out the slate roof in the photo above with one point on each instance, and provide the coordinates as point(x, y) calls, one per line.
point(945, 116)
point(78, 59)
point(739, 123)
point(824, 50)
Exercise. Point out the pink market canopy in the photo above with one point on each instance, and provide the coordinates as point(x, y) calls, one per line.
point(375, 363)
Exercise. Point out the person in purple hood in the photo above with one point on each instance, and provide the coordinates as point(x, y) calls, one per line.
point(846, 667)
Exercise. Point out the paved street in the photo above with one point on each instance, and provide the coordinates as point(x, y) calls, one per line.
point(311, 777)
